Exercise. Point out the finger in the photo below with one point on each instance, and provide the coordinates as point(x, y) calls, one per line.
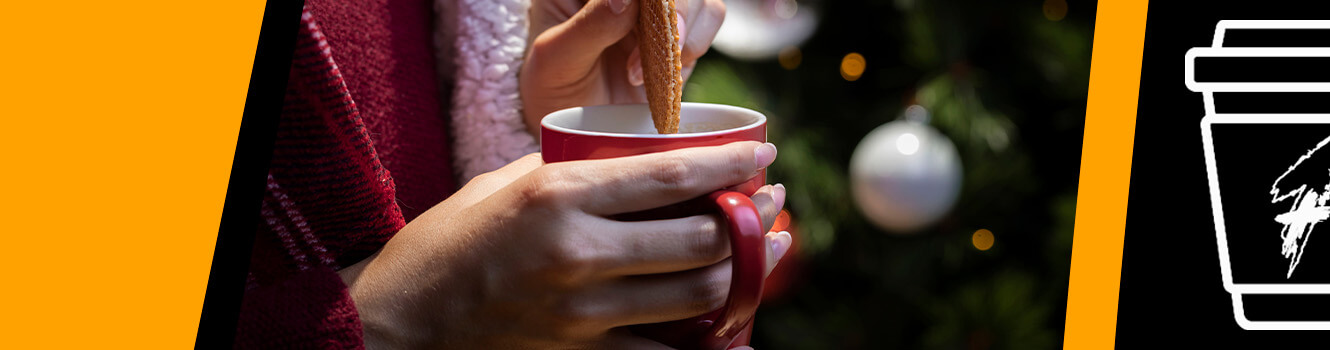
point(623, 339)
point(630, 184)
point(769, 200)
point(664, 297)
point(574, 46)
point(778, 244)
point(671, 245)
point(701, 30)
point(664, 246)
point(678, 295)
point(687, 13)
point(685, 8)
point(634, 64)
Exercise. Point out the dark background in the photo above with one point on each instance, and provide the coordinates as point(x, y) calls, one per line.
point(1171, 290)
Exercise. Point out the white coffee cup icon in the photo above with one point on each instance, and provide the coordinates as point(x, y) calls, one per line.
point(1256, 71)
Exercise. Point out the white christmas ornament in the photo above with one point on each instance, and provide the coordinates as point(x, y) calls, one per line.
point(759, 29)
point(905, 174)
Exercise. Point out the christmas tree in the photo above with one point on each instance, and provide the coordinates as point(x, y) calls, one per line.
point(1005, 82)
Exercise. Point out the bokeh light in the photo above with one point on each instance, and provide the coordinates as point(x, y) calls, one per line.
point(782, 221)
point(790, 57)
point(1055, 10)
point(852, 66)
point(982, 239)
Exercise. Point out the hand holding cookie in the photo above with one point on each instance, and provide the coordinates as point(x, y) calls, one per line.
point(585, 53)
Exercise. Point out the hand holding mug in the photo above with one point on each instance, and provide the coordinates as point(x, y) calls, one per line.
point(529, 257)
point(610, 131)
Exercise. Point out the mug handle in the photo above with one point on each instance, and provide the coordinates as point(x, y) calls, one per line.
point(748, 257)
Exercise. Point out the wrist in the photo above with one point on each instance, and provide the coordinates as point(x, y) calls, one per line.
point(381, 326)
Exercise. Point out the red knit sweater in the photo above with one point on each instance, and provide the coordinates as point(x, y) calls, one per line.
point(361, 148)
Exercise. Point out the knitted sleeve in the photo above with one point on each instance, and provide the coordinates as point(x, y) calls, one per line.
point(329, 203)
point(480, 45)
point(309, 310)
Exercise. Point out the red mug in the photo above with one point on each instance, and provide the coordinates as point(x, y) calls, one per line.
point(610, 131)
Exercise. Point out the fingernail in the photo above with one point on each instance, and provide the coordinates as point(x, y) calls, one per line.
point(635, 68)
point(618, 5)
point(778, 194)
point(683, 32)
point(764, 155)
point(781, 244)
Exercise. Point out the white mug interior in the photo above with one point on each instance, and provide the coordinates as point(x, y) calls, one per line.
point(634, 120)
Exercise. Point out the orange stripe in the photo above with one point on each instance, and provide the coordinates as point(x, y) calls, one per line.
point(1101, 206)
point(121, 119)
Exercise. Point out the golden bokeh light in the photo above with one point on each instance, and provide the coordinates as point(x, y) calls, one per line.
point(790, 57)
point(782, 221)
point(1055, 10)
point(982, 239)
point(852, 66)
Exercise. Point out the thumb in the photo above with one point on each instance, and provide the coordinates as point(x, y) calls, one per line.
point(576, 44)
